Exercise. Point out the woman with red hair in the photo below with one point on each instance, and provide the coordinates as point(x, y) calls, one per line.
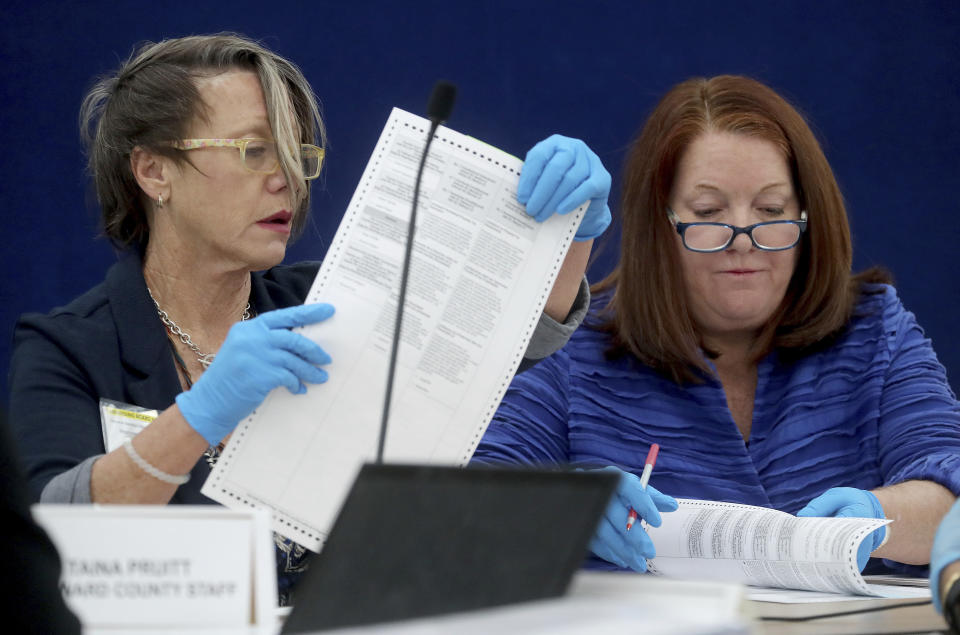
point(733, 333)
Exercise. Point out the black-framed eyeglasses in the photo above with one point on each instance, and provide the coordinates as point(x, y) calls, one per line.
point(775, 235)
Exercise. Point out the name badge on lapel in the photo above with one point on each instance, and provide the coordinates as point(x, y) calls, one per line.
point(121, 421)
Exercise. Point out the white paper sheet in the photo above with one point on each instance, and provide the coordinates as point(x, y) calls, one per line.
point(794, 596)
point(761, 547)
point(480, 276)
point(897, 580)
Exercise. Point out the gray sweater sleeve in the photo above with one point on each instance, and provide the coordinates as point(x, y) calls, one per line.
point(550, 335)
point(73, 486)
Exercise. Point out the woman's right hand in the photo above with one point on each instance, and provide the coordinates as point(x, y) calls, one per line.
point(257, 356)
point(613, 542)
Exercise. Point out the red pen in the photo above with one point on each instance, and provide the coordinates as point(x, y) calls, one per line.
point(644, 479)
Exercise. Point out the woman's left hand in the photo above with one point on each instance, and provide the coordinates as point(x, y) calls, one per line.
point(849, 502)
point(558, 176)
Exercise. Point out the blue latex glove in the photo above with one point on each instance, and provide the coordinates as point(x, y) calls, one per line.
point(946, 549)
point(257, 356)
point(612, 541)
point(850, 502)
point(558, 176)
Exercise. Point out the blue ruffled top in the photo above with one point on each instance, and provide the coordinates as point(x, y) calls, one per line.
point(872, 409)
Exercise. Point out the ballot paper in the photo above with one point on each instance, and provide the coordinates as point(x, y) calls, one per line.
point(481, 273)
point(762, 547)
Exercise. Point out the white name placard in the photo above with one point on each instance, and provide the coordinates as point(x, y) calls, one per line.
point(164, 566)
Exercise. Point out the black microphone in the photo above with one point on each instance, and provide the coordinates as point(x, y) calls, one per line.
point(441, 102)
point(438, 110)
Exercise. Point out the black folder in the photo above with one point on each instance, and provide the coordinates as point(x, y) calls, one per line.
point(412, 541)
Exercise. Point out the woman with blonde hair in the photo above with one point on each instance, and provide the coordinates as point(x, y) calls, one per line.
point(202, 150)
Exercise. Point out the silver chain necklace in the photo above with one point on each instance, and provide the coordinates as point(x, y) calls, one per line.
point(205, 359)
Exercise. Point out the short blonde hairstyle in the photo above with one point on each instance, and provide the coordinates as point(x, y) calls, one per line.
point(152, 99)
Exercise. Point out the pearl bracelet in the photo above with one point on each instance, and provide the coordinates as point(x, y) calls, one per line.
point(160, 475)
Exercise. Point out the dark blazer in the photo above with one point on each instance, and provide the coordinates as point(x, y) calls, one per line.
point(110, 344)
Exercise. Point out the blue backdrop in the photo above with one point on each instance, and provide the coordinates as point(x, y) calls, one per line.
point(877, 79)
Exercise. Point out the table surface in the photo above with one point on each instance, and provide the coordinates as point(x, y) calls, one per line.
point(615, 604)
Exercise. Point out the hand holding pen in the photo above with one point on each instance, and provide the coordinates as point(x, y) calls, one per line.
point(644, 479)
point(612, 542)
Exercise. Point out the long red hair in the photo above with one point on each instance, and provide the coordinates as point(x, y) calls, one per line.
point(647, 316)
